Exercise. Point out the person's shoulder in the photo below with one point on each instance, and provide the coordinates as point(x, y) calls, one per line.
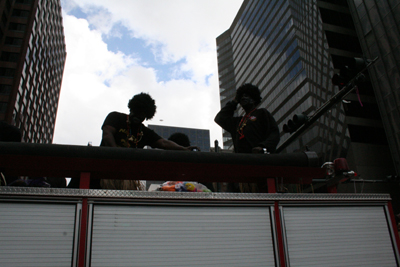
point(116, 113)
point(264, 112)
point(115, 118)
point(150, 135)
point(147, 129)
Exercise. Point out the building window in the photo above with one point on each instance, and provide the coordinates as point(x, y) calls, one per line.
point(4, 18)
point(336, 18)
point(8, 56)
point(26, 2)
point(20, 13)
point(16, 26)
point(13, 41)
point(5, 89)
point(7, 72)
point(3, 107)
point(8, 5)
point(375, 135)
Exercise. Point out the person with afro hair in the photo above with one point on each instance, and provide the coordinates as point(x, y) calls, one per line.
point(128, 131)
point(254, 132)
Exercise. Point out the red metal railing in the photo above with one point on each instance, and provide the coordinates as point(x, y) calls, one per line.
point(86, 163)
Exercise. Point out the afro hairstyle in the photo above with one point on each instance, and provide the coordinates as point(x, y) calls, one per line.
point(250, 90)
point(143, 103)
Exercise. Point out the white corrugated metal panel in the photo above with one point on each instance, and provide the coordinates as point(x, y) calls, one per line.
point(338, 236)
point(181, 236)
point(36, 234)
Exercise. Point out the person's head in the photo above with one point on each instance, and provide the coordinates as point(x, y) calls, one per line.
point(180, 138)
point(248, 96)
point(141, 107)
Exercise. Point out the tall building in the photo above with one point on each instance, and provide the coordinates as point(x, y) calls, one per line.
point(291, 50)
point(197, 137)
point(32, 58)
point(280, 47)
point(377, 24)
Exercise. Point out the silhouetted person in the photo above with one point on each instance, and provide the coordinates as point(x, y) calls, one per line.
point(256, 131)
point(128, 131)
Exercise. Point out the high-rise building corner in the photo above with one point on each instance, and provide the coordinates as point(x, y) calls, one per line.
point(32, 59)
point(291, 50)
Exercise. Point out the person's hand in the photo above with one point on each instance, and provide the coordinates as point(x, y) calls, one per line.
point(192, 148)
point(258, 150)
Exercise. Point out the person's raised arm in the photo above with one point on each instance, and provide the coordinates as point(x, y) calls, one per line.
point(108, 136)
point(224, 118)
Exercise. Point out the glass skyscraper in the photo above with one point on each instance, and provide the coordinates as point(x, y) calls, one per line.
point(33, 53)
point(280, 47)
point(291, 49)
point(378, 27)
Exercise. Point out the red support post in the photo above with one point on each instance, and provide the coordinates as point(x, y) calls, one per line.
point(394, 225)
point(84, 184)
point(279, 240)
point(82, 235)
point(85, 180)
point(271, 185)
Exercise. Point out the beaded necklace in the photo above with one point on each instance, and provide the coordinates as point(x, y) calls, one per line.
point(242, 124)
point(131, 138)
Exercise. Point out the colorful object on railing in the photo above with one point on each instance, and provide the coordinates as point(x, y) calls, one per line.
point(179, 186)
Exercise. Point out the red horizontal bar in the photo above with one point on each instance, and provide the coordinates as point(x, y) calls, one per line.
point(31, 165)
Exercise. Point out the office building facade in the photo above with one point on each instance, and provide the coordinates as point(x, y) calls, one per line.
point(377, 24)
point(33, 53)
point(273, 46)
point(291, 50)
point(197, 137)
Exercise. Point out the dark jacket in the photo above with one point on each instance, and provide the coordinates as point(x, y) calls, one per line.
point(261, 129)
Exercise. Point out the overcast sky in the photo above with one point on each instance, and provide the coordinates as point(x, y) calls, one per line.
point(119, 48)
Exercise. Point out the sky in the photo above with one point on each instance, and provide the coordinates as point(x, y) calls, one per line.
point(119, 48)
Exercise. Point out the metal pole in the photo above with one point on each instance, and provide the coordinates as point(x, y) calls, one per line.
point(350, 86)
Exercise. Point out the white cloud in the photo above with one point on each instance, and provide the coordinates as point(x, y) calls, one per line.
point(97, 81)
point(180, 27)
point(85, 98)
